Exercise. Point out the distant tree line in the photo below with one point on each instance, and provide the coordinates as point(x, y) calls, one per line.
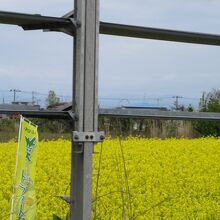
point(52, 98)
point(209, 102)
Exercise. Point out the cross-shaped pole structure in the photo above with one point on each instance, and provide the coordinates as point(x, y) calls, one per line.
point(84, 26)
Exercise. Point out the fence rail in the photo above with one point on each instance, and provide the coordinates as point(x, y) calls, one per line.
point(38, 113)
point(121, 113)
point(169, 115)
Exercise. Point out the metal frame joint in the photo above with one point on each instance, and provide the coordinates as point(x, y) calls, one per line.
point(73, 115)
point(92, 137)
point(76, 23)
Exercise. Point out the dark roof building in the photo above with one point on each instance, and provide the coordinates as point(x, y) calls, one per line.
point(17, 107)
point(145, 107)
point(63, 106)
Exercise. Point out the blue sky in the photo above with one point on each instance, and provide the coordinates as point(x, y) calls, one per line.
point(129, 68)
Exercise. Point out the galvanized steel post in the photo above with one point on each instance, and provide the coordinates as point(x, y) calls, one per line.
point(85, 104)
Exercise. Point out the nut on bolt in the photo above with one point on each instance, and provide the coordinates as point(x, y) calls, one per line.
point(102, 137)
point(76, 137)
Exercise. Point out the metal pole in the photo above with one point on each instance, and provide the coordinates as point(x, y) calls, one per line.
point(85, 104)
point(176, 102)
point(14, 91)
point(33, 98)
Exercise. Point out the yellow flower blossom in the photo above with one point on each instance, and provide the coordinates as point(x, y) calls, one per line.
point(138, 178)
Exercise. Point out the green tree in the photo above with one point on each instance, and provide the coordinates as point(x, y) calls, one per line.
point(210, 102)
point(52, 98)
point(190, 108)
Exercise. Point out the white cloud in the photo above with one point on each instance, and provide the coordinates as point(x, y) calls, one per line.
point(51, 7)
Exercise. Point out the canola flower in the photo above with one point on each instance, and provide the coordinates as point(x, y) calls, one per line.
point(137, 178)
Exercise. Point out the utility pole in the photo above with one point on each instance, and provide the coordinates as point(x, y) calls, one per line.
point(144, 97)
point(158, 101)
point(176, 102)
point(15, 91)
point(33, 97)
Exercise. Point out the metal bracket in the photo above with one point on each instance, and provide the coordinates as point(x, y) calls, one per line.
point(65, 198)
point(76, 23)
point(73, 116)
point(88, 136)
point(70, 30)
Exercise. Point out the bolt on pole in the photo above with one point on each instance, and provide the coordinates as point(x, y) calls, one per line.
point(85, 104)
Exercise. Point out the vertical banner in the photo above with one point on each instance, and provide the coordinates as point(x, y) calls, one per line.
point(24, 199)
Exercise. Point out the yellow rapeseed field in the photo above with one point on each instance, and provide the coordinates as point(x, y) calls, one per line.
point(137, 178)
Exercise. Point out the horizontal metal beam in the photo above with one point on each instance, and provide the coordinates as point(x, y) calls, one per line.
point(33, 22)
point(66, 24)
point(158, 34)
point(38, 114)
point(168, 115)
point(120, 113)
